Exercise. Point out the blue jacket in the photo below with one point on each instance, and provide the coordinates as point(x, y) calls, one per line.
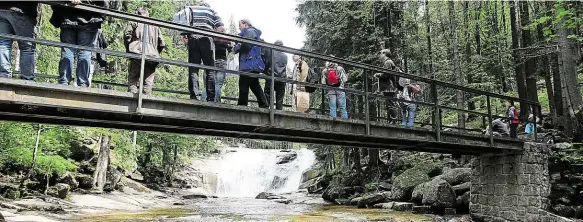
point(250, 55)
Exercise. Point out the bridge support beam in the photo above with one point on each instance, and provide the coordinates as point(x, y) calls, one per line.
point(512, 186)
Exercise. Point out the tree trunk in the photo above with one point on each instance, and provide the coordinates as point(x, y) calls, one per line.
point(518, 67)
point(357, 165)
point(100, 175)
point(34, 154)
point(148, 155)
point(530, 64)
point(373, 158)
point(429, 51)
point(470, 77)
point(544, 68)
point(461, 121)
point(571, 91)
point(557, 88)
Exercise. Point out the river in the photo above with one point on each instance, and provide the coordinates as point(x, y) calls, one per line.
point(234, 177)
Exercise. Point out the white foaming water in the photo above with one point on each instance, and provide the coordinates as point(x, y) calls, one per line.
point(248, 172)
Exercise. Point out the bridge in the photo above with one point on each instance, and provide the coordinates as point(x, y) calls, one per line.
point(502, 169)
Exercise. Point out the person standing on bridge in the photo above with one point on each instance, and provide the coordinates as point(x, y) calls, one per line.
point(250, 61)
point(200, 48)
point(335, 76)
point(300, 96)
point(512, 114)
point(222, 48)
point(279, 68)
point(133, 36)
point(80, 28)
point(18, 18)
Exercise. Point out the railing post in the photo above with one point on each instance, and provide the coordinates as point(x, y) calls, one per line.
point(490, 120)
point(366, 102)
point(142, 68)
point(322, 107)
point(535, 112)
point(436, 112)
point(272, 91)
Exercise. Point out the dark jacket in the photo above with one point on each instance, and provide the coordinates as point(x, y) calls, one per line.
point(221, 49)
point(29, 8)
point(249, 55)
point(75, 18)
point(280, 64)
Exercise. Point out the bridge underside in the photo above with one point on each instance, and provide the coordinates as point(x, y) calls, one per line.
point(27, 101)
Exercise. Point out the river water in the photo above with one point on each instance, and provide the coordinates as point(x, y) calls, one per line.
point(237, 175)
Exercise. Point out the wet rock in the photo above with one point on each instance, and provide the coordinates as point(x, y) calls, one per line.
point(179, 204)
point(342, 201)
point(354, 201)
point(565, 211)
point(310, 174)
point(457, 176)
point(370, 200)
point(465, 218)
point(579, 212)
point(283, 201)
point(278, 182)
point(421, 209)
point(438, 193)
point(10, 206)
point(69, 179)
point(402, 206)
point(562, 146)
point(268, 196)
point(86, 167)
point(85, 181)
point(2, 218)
point(462, 188)
point(286, 157)
point(60, 190)
point(137, 176)
point(12, 194)
point(385, 186)
point(194, 196)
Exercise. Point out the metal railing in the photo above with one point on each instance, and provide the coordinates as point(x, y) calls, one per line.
point(368, 94)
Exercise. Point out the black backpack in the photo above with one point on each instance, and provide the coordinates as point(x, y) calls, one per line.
point(312, 78)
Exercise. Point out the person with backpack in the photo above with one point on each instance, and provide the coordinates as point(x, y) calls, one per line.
point(335, 76)
point(250, 61)
point(387, 83)
point(278, 68)
point(408, 109)
point(154, 45)
point(512, 114)
point(201, 49)
point(300, 93)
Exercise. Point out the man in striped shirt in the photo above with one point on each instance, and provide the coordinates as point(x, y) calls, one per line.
point(200, 48)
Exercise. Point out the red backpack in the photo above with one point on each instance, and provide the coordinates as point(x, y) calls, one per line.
point(333, 77)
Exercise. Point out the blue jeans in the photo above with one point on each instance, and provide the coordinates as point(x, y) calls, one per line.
point(17, 24)
point(220, 78)
point(337, 97)
point(78, 36)
point(409, 115)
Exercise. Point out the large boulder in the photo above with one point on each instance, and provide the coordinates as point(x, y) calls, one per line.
point(404, 183)
point(438, 193)
point(68, 179)
point(286, 157)
point(462, 188)
point(82, 150)
point(85, 181)
point(60, 190)
point(463, 201)
point(370, 200)
point(417, 195)
point(113, 179)
point(457, 176)
point(565, 211)
point(268, 196)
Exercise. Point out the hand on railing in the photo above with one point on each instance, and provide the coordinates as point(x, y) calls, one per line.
point(75, 2)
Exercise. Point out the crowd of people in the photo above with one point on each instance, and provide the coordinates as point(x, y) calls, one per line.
point(83, 28)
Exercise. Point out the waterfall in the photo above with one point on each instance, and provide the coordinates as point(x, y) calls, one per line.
point(248, 172)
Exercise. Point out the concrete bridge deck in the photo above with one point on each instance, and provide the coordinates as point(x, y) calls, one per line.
point(57, 104)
